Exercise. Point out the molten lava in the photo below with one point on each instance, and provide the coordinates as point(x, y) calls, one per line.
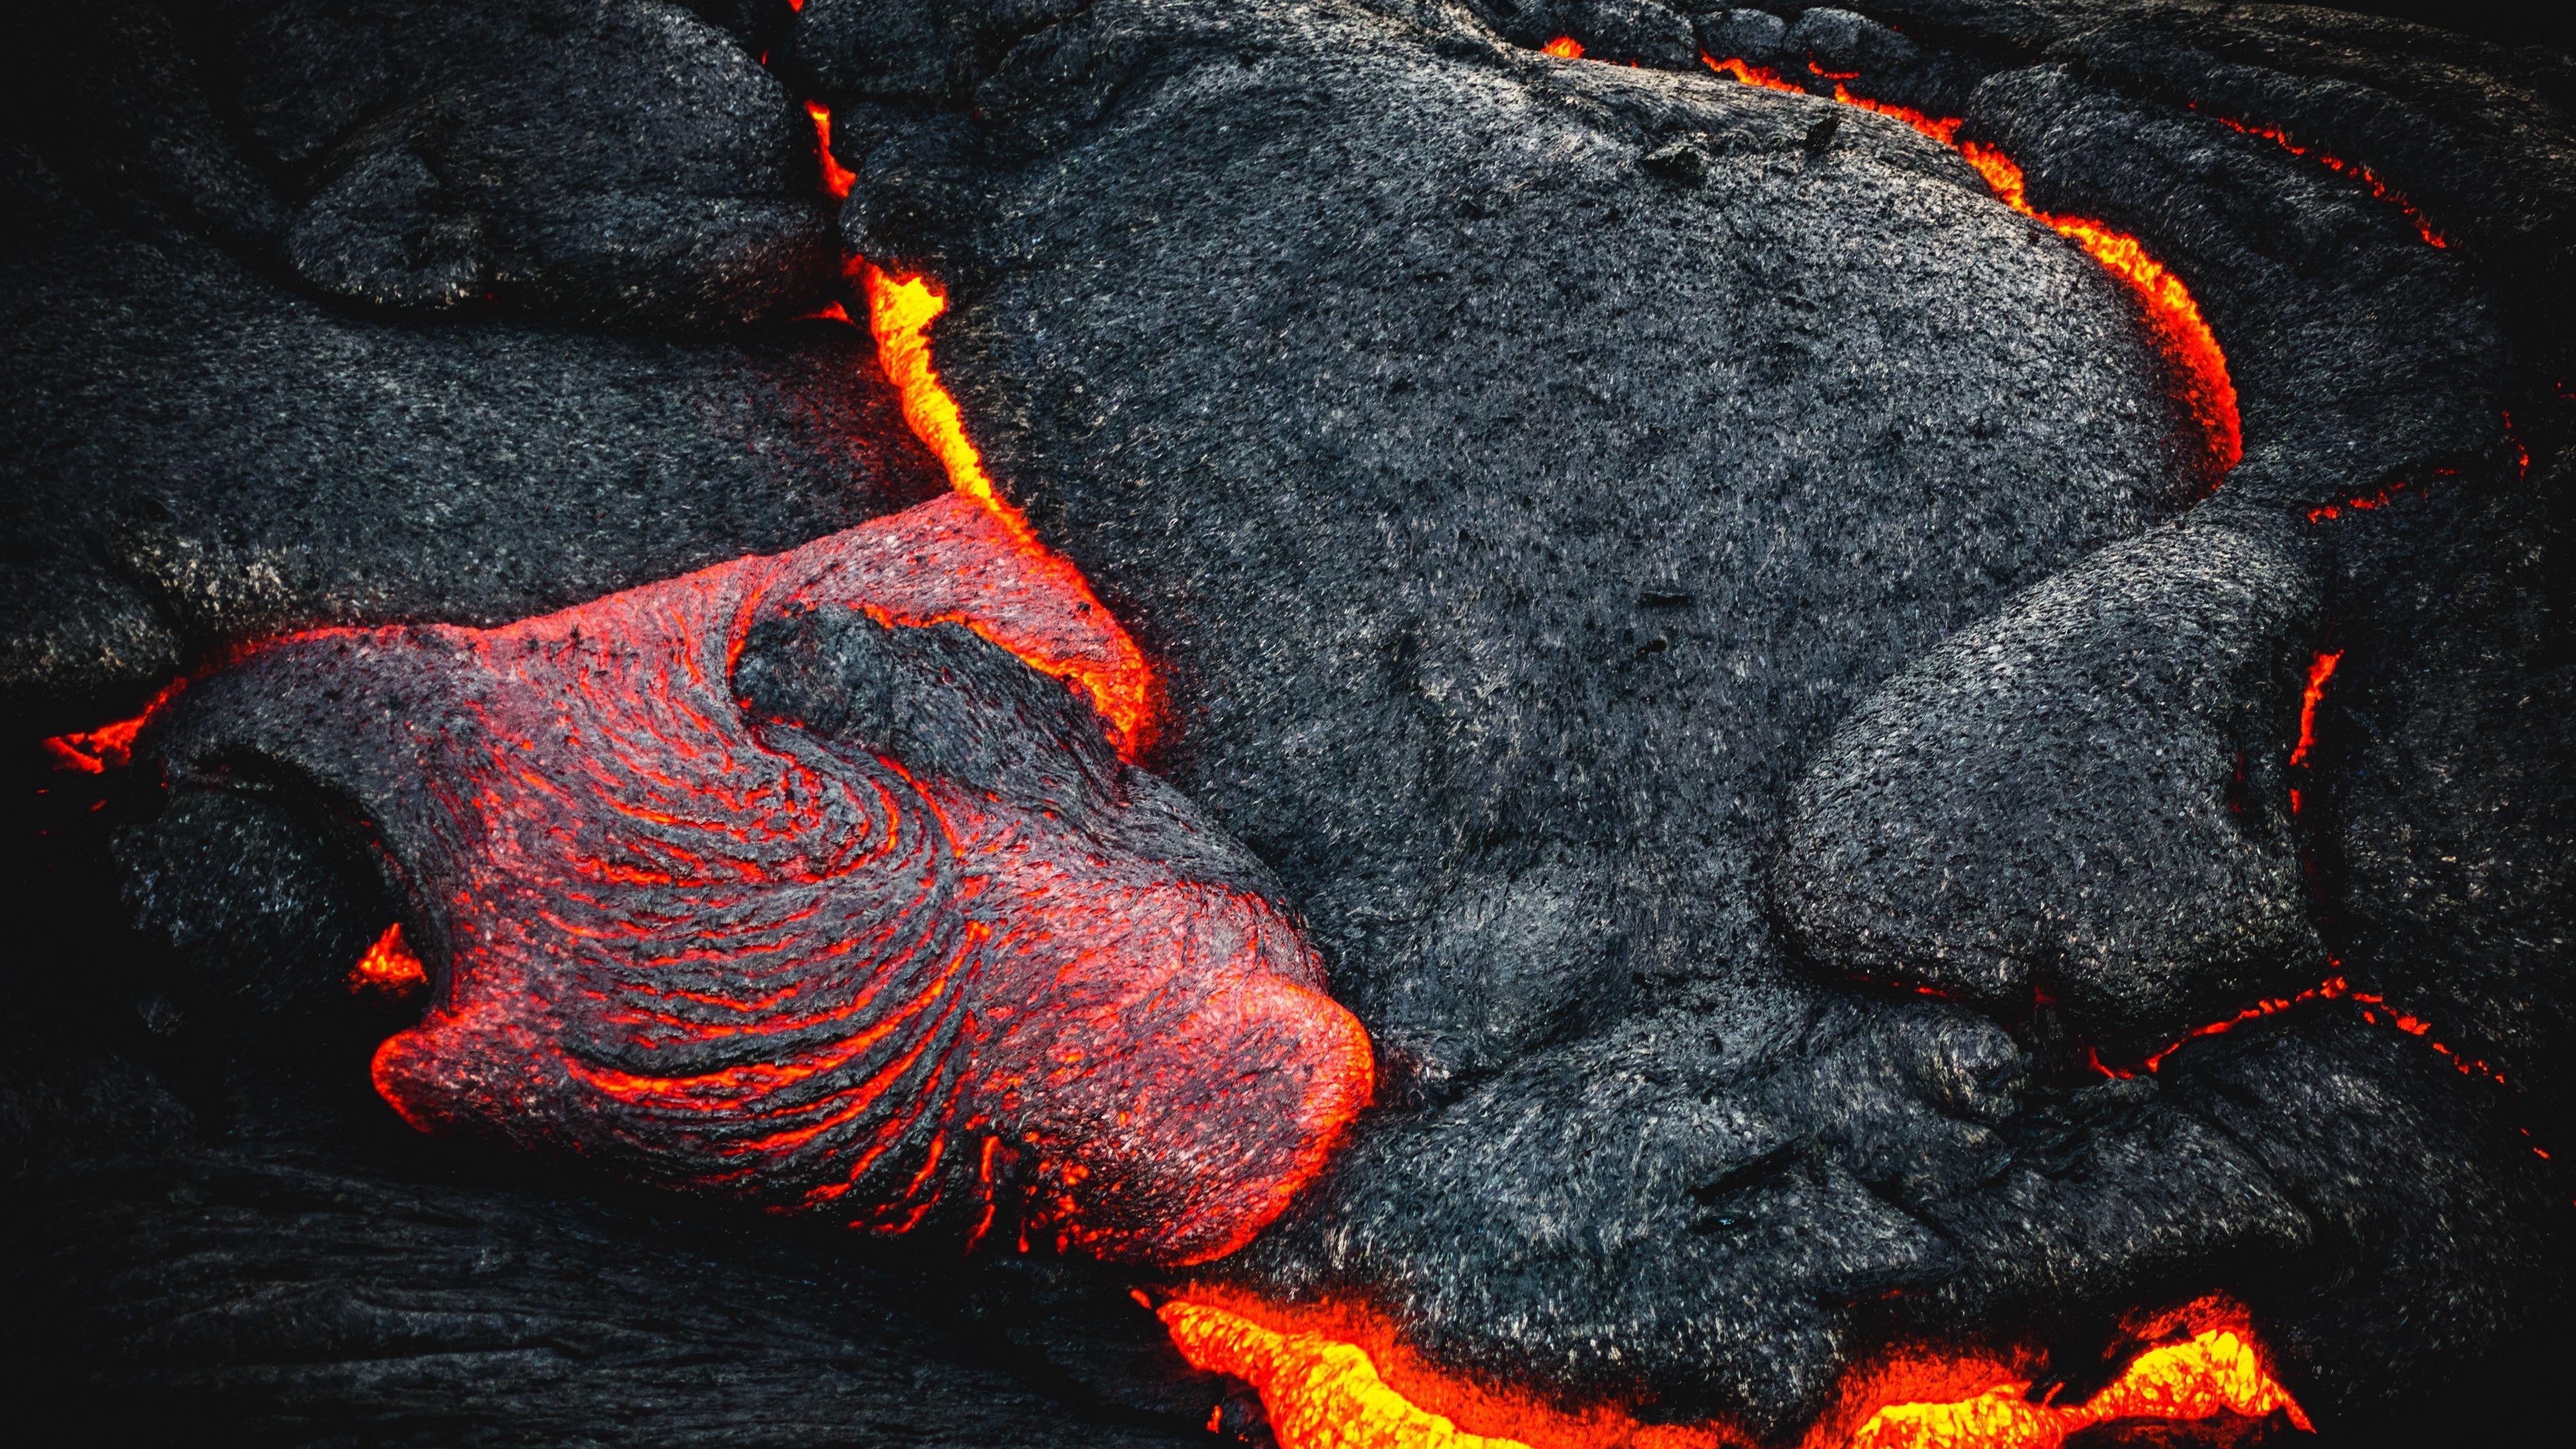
point(2320, 669)
point(2216, 1370)
point(110, 746)
point(2341, 167)
point(1323, 1376)
point(1331, 1376)
point(1564, 47)
point(2206, 389)
point(836, 178)
point(389, 968)
point(1754, 75)
point(900, 965)
point(1114, 672)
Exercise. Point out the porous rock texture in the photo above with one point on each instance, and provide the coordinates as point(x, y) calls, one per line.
point(207, 445)
point(1649, 574)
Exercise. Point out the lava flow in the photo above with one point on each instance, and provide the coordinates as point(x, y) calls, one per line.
point(1333, 1377)
point(2206, 389)
point(759, 882)
point(109, 746)
point(1113, 674)
point(837, 178)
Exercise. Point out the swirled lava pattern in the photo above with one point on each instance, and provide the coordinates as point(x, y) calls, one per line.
point(2200, 367)
point(779, 881)
point(1318, 1373)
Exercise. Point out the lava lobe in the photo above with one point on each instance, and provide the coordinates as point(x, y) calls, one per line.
point(784, 880)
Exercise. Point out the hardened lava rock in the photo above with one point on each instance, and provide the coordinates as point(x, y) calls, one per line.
point(1661, 580)
point(206, 445)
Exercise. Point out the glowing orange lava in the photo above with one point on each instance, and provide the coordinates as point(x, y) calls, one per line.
point(836, 177)
point(900, 311)
point(2207, 390)
point(1323, 1372)
point(1754, 75)
point(2341, 167)
point(110, 746)
point(2217, 1370)
point(2320, 669)
point(1332, 1376)
point(1564, 47)
point(389, 966)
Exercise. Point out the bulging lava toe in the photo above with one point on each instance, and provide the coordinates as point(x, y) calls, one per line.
point(799, 880)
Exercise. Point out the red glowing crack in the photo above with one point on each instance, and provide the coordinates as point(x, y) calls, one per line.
point(2200, 366)
point(2341, 167)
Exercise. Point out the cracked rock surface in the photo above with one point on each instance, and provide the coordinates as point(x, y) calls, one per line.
point(1712, 622)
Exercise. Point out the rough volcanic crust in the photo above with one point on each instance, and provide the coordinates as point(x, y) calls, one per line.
point(1475, 967)
point(1456, 582)
point(202, 458)
point(2079, 801)
point(1635, 1113)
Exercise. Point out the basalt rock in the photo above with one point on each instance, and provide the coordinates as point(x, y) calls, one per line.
point(200, 456)
point(1640, 570)
point(2076, 809)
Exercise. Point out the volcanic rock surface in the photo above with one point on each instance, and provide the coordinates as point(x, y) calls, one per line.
point(1717, 631)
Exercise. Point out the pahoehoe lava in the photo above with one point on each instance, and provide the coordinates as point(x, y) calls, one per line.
point(1431, 722)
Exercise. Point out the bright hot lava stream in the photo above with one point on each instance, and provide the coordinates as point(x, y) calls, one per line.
point(1336, 1377)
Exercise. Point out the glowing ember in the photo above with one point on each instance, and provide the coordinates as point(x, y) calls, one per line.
point(1564, 47)
point(1323, 1373)
point(2341, 167)
point(389, 967)
point(1120, 683)
point(2207, 390)
point(836, 177)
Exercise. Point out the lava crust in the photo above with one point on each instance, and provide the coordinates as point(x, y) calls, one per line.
point(1886, 679)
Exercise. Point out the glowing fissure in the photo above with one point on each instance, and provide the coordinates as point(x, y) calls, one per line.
point(1564, 47)
point(2378, 188)
point(1118, 682)
point(109, 746)
point(1336, 1377)
point(2206, 389)
point(2374, 1009)
point(2320, 669)
point(1117, 679)
point(837, 178)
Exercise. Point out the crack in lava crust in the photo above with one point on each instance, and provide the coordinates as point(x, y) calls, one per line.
point(682, 935)
point(2203, 384)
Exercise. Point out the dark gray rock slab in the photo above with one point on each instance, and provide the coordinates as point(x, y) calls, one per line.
point(200, 457)
point(2077, 807)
